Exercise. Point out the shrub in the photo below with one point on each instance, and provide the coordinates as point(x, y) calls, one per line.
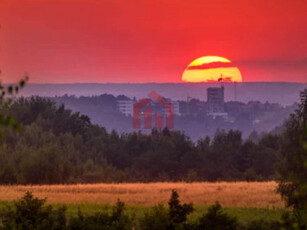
point(217, 219)
point(159, 218)
point(156, 219)
point(103, 220)
point(31, 213)
point(262, 225)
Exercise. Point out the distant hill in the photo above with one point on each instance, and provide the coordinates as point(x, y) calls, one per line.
point(283, 93)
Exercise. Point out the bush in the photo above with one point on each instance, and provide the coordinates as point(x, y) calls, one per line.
point(156, 219)
point(102, 220)
point(31, 213)
point(262, 225)
point(159, 218)
point(217, 219)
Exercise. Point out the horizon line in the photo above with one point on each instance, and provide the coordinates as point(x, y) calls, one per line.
point(140, 83)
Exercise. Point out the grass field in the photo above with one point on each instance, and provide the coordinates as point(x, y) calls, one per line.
point(243, 214)
point(229, 194)
point(246, 201)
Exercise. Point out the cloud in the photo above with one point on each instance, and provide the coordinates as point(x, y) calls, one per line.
point(212, 65)
point(263, 64)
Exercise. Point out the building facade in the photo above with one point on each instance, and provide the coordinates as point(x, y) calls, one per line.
point(125, 107)
point(215, 102)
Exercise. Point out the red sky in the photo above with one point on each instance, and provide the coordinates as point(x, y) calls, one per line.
point(64, 41)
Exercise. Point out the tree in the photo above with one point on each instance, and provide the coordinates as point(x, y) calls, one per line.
point(293, 167)
point(7, 93)
point(173, 218)
point(7, 174)
point(216, 218)
point(178, 213)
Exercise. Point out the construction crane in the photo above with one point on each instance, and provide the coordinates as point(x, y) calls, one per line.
point(228, 78)
point(223, 78)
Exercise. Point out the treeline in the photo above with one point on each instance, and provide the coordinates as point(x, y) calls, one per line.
point(56, 145)
point(194, 120)
point(32, 213)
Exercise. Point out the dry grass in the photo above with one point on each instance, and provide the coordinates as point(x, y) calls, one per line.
point(234, 194)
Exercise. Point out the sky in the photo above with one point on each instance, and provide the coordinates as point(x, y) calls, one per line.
point(71, 41)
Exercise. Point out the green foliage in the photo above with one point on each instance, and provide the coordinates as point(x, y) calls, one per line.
point(102, 220)
point(159, 218)
point(33, 213)
point(30, 213)
point(156, 219)
point(7, 94)
point(216, 218)
point(59, 146)
point(178, 213)
point(263, 225)
point(293, 166)
point(176, 217)
point(7, 174)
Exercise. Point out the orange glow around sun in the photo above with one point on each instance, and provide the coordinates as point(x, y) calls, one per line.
point(210, 69)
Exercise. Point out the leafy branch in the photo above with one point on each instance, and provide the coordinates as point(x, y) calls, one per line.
point(7, 94)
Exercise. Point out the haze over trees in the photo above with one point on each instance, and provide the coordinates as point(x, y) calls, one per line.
point(56, 145)
point(194, 121)
point(284, 93)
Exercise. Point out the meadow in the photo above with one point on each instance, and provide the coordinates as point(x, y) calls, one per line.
point(243, 214)
point(246, 200)
point(229, 194)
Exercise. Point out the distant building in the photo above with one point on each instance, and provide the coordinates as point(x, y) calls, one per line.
point(215, 102)
point(176, 107)
point(125, 107)
point(157, 107)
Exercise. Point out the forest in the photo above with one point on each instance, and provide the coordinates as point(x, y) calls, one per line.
point(56, 145)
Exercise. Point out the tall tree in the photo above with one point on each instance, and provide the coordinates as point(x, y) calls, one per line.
point(293, 167)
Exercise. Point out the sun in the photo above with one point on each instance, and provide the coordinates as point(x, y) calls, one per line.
point(211, 69)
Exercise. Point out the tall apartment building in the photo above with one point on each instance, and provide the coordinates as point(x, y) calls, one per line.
point(215, 101)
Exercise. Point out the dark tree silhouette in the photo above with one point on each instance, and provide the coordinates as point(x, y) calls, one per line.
point(7, 93)
point(293, 167)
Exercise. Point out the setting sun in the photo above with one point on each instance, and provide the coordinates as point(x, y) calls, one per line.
point(210, 69)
